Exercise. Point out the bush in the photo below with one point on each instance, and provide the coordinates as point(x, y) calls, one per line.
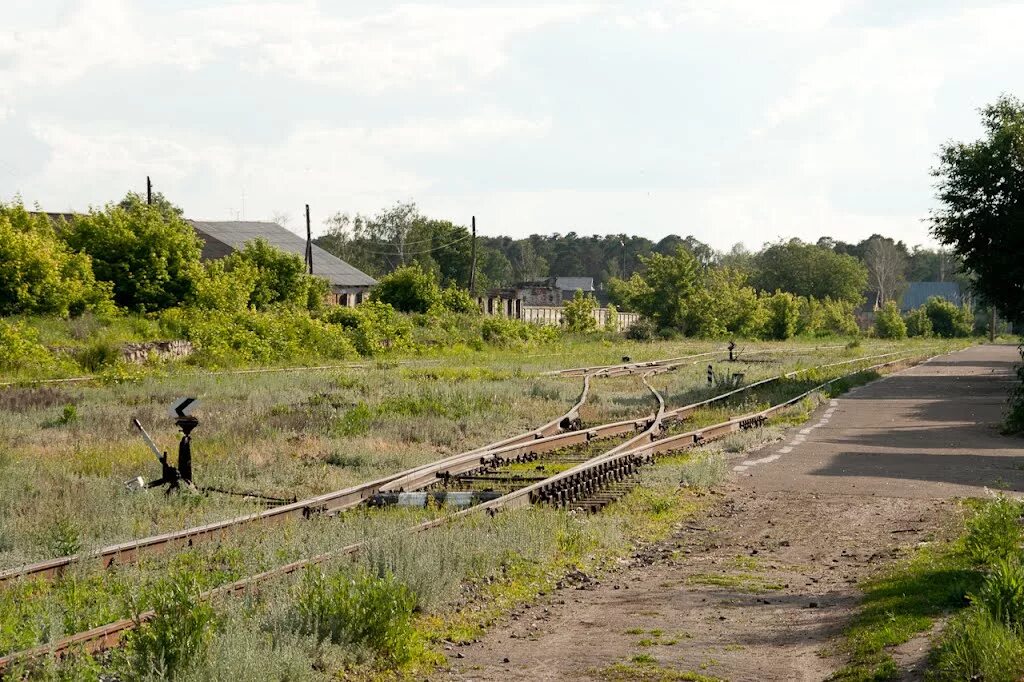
point(918, 323)
point(373, 327)
point(280, 277)
point(178, 634)
point(506, 333)
point(365, 611)
point(611, 320)
point(578, 314)
point(889, 324)
point(20, 348)
point(220, 288)
point(783, 315)
point(40, 274)
point(409, 289)
point(838, 318)
point(1015, 413)
point(282, 335)
point(641, 330)
point(947, 320)
point(458, 301)
point(994, 532)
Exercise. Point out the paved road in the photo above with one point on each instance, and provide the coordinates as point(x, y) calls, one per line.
point(757, 590)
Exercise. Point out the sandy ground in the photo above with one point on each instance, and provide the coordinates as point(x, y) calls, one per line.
point(759, 587)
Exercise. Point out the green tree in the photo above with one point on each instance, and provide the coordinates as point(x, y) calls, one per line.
point(918, 323)
point(578, 314)
point(149, 256)
point(810, 270)
point(409, 289)
point(39, 274)
point(724, 305)
point(947, 320)
point(611, 320)
point(783, 314)
point(281, 277)
point(219, 288)
point(663, 292)
point(889, 324)
point(981, 189)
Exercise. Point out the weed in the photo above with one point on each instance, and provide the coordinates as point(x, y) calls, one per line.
point(645, 668)
point(355, 422)
point(994, 532)
point(178, 633)
point(364, 610)
point(1002, 593)
point(977, 646)
point(62, 537)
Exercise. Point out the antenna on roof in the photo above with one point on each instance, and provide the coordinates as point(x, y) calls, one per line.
point(309, 243)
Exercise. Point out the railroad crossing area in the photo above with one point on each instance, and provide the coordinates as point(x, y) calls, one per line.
point(761, 586)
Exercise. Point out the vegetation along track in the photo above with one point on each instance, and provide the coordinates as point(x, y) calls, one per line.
point(566, 487)
point(562, 432)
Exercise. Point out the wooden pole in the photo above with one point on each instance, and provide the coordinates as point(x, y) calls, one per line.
point(149, 191)
point(309, 243)
point(472, 262)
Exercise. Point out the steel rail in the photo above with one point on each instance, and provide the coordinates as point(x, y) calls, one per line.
point(601, 470)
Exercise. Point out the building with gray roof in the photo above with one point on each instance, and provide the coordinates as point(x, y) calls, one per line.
point(918, 293)
point(348, 284)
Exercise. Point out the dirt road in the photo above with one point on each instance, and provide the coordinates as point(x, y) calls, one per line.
point(757, 590)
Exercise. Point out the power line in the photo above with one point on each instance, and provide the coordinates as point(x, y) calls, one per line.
point(419, 253)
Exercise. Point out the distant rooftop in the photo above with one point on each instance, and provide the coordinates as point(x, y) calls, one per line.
point(223, 237)
point(918, 293)
point(574, 283)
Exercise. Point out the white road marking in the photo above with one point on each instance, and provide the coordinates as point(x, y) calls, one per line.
point(797, 439)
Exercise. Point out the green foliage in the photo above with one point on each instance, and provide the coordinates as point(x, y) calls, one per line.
point(641, 330)
point(611, 320)
point(981, 189)
point(150, 257)
point(408, 289)
point(918, 323)
point(783, 314)
point(994, 532)
point(458, 301)
point(889, 324)
point(220, 288)
point(665, 288)
point(365, 611)
point(977, 646)
point(724, 305)
point(280, 277)
point(578, 314)
point(249, 336)
point(810, 270)
point(948, 321)
point(39, 273)
point(508, 333)
point(177, 635)
point(374, 327)
point(20, 348)
point(100, 352)
point(1002, 593)
point(1015, 412)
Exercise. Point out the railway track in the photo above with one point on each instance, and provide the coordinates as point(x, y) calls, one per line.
point(564, 431)
point(565, 488)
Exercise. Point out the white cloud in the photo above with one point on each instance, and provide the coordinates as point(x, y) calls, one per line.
point(791, 16)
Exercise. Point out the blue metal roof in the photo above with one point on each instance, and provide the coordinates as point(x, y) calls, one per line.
point(918, 293)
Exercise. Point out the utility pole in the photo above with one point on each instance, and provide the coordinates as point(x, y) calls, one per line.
point(992, 326)
point(472, 262)
point(149, 191)
point(309, 243)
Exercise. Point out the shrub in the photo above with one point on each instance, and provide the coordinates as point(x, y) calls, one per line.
point(947, 320)
point(611, 320)
point(374, 327)
point(889, 324)
point(150, 256)
point(177, 635)
point(783, 315)
point(1015, 413)
point(838, 318)
point(641, 330)
point(99, 353)
point(459, 301)
point(366, 611)
point(994, 532)
point(506, 333)
point(281, 277)
point(409, 289)
point(39, 273)
point(220, 288)
point(578, 314)
point(918, 323)
point(20, 348)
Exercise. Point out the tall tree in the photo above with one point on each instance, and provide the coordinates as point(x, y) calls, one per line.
point(809, 270)
point(887, 266)
point(981, 189)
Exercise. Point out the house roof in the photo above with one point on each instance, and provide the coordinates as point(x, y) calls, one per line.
point(222, 237)
point(918, 293)
point(573, 283)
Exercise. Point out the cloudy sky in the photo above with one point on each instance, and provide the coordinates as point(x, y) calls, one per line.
point(731, 120)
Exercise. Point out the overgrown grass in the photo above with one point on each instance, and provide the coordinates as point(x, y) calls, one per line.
point(976, 577)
